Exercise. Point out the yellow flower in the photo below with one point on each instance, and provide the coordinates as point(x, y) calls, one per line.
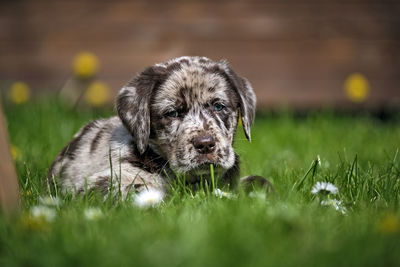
point(34, 224)
point(357, 87)
point(14, 152)
point(19, 92)
point(85, 65)
point(28, 192)
point(97, 94)
point(390, 224)
point(38, 218)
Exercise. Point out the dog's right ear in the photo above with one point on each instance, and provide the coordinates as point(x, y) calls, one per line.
point(133, 104)
point(247, 97)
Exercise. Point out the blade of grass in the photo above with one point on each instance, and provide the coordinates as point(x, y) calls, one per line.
point(212, 177)
point(313, 168)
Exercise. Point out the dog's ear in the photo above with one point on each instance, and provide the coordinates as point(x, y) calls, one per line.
point(247, 97)
point(133, 104)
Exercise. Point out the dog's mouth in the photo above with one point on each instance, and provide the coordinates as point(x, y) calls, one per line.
point(205, 170)
point(199, 165)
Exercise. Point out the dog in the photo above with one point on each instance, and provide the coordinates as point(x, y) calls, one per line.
point(174, 118)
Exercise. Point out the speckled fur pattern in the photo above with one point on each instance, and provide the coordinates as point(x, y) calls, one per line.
point(160, 114)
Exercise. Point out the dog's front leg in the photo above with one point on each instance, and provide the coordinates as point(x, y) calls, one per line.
point(122, 180)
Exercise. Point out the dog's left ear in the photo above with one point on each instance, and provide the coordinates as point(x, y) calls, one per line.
point(133, 104)
point(247, 97)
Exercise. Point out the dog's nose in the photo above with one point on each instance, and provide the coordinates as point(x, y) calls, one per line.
point(204, 144)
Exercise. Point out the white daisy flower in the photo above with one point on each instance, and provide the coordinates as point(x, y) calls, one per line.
point(324, 187)
point(336, 204)
point(221, 194)
point(43, 213)
point(50, 201)
point(258, 195)
point(92, 213)
point(149, 198)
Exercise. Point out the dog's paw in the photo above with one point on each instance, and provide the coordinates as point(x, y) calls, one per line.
point(251, 182)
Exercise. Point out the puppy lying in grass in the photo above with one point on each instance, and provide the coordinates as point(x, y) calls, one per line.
point(174, 119)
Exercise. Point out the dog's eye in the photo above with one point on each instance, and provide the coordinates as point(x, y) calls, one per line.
point(218, 107)
point(172, 114)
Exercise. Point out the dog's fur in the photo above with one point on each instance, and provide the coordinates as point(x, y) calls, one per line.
point(175, 117)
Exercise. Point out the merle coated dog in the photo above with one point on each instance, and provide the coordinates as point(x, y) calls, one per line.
point(176, 117)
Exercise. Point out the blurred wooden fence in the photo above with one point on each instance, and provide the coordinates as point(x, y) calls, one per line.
point(9, 198)
point(294, 52)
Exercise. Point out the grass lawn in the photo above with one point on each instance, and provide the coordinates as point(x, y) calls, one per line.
point(358, 154)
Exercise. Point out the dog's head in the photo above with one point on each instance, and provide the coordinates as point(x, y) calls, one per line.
point(187, 110)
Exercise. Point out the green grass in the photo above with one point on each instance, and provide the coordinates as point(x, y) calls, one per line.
point(358, 154)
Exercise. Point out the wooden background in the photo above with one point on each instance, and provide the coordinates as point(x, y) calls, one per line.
point(294, 52)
